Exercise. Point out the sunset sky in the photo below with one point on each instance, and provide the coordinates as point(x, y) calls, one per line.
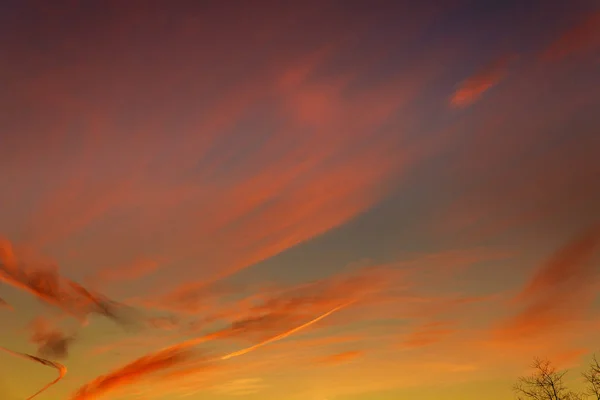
point(297, 200)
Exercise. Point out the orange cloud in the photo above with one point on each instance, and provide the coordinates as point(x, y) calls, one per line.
point(329, 157)
point(472, 88)
point(4, 304)
point(569, 267)
point(285, 307)
point(51, 342)
point(274, 309)
point(569, 358)
point(561, 289)
point(341, 358)
point(437, 267)
point(133, 159)
point(583, 38)
point(180, 355)
point(134, 372)
point(128, 272)
point(188, 298)
point(332, 340)
point(45, 283)
point(286, 333)
point(71, 208)
point(7, 255)
point(287, 311)
point(132, 343)
point(428, 334)
point(270, 309)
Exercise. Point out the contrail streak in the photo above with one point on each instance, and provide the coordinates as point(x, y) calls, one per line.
point(62, 370)
point(283, 335)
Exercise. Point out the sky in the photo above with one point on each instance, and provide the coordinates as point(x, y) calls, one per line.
point(276, 200)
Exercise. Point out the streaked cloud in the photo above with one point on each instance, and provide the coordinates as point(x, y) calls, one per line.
point(278, 316)
point(561, 289)
point(535, 179)
point(583, 37)
point(340, 358)
point(129, 272)
point(134, 372)
point(285, 203)
point(4, 304)
point(44, 282)
point(428, 334)
point(473, 87)
point(176, 360)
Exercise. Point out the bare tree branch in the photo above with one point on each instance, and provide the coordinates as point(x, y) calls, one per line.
point(545, 383)
point(592, 377)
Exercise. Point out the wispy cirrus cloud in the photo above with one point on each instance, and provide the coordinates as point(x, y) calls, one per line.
point(560, 290)
point(279, 314)
point(568, 268)
point(44, 282)
point(428, 334)
point(123, 273)
point(150, 151)
point(4, 304)
point(176, 360)
point(473, 88)
point(340, 358)
point(227, 195)
point(582, 38)
point(512, 172)
point(135, 371)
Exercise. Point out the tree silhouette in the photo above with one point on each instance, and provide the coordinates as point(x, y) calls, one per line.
point(545, 383)
point(592, 377)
